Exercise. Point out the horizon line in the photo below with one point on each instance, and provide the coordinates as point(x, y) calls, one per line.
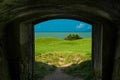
point(62, 31)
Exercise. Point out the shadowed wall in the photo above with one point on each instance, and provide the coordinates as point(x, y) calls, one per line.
point(16, 33)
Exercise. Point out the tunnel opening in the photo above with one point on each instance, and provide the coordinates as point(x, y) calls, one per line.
point(18, 42)
point(63, 45)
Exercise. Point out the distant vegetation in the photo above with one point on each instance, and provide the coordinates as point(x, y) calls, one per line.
point(51, 53)
point(73, 37)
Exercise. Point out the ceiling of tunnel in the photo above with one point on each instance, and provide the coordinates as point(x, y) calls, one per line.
point(10, 8)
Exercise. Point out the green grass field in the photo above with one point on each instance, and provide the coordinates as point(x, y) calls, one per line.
point(52, 53)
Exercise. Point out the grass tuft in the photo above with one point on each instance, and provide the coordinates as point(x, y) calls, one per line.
point(84, 69)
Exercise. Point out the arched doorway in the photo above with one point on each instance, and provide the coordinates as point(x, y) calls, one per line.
point(63, 46)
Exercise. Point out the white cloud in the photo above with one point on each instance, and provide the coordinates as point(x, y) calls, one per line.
point(80, 26)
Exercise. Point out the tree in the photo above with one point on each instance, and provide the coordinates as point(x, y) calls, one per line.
point(73, 37)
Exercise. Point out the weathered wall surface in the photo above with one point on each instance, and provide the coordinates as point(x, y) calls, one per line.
point(20, 10)
point(116, 70)
point(4, 72)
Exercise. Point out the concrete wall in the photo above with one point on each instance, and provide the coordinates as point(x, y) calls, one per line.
point(4, 72)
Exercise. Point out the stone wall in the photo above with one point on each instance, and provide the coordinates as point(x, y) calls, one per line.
point(13, 28)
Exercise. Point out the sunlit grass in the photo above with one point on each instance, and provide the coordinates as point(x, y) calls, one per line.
point(53, 51)
point(60, 53)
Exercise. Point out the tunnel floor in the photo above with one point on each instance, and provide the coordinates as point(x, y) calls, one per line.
point(59, 75)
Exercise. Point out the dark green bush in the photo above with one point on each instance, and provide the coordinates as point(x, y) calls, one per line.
point(73, 37)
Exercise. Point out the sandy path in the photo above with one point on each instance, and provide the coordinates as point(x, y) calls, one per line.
point(59, 75)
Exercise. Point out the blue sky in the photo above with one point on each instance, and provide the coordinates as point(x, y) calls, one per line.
point(62, 25)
